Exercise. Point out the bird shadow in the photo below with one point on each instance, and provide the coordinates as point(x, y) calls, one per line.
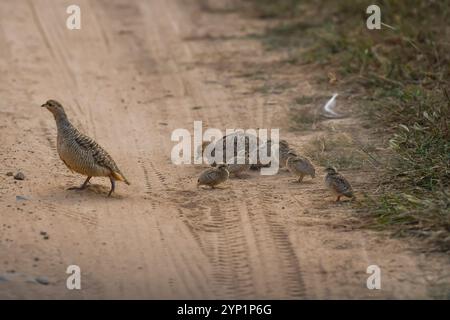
point(342, 202)
point(215, 189)
point(92, 191)
point(100, 190)
point(242, 176)
point(304, 182)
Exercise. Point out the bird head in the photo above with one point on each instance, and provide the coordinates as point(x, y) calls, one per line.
point(330, 170)
point(222, 167)
point(54, 107)
point(292, 152)
point(283, 144)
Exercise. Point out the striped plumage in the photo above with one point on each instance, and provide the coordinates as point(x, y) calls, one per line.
point(239, 164)
point(338, 184)
point(81, 153)
point(284, 153)
point(266, 149)
point(230, 145)
point(213, 176)
point(300, 166)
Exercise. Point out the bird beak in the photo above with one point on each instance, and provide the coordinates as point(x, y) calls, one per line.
point(44, 105)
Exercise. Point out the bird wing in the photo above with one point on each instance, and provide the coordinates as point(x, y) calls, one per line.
point(211, 175)
point(100, 156)
point(340, 184)
point(302, 164)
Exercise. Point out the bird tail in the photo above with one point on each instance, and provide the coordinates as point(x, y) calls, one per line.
point(119, 176)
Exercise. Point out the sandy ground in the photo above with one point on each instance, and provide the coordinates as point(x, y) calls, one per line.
point(136, 71)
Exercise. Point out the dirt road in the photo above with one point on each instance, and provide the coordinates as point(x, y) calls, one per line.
point(136, 71)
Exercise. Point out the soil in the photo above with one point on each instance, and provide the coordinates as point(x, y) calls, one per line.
point(136, 71)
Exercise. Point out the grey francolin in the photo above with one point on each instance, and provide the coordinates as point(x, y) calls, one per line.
point(239, 164)
point(338, 185)
point(213, 176)
point(300, 166)
point(81, 153)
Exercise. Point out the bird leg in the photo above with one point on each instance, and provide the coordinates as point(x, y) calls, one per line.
point(338, 198)
point(113, 186)
point(83, 186)
point(300, 178)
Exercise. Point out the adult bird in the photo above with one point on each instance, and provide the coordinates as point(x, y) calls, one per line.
point(81, 153)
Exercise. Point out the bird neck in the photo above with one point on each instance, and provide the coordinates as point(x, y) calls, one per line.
point(62, 122)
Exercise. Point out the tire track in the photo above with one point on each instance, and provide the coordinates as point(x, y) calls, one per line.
point(231, 266)
point(218, 231)
point(148, 184)
point(74, 215)
point(261, 200)
point(160, 176)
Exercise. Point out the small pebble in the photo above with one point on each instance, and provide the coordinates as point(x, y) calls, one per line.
point(19, 176)
point(42, 280)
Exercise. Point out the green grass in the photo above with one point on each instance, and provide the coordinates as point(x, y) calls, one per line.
point(404, 73)
point(302, 114)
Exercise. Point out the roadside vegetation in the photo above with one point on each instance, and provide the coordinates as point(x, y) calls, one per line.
point(402, 73)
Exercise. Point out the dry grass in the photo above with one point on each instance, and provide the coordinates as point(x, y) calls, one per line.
point(339, 150)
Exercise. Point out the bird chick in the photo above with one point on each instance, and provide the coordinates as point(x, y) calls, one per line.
point(266, 148)
point(239, 164)
point(338, 184)
point(300, 166)
point(81, 153)
point(230, 145)
point(214, 176)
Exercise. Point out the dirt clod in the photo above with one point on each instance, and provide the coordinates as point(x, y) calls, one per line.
point(19, 176)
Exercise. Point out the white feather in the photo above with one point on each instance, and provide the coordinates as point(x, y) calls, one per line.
point(330, 105)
